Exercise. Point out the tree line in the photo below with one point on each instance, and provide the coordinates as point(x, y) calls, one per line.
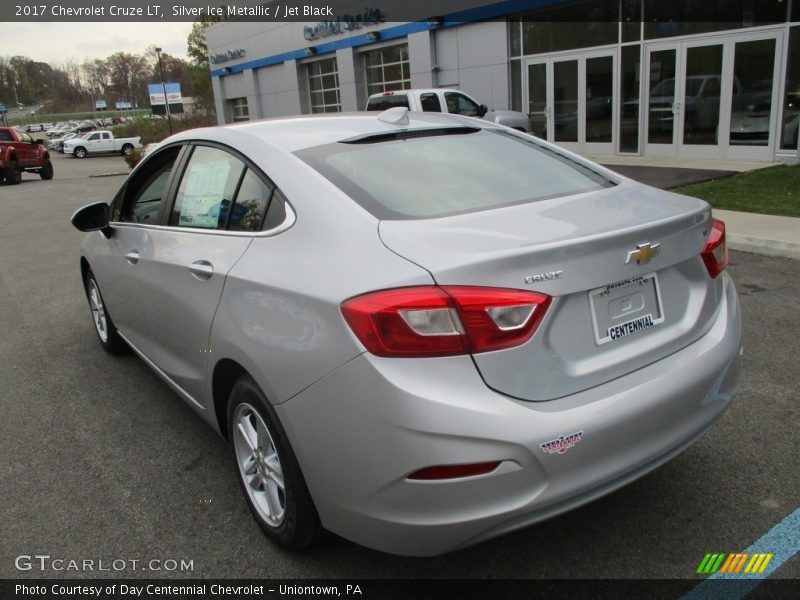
point(122, 76)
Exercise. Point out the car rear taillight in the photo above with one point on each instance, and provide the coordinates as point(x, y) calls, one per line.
point(715, 254)
point(444, 321)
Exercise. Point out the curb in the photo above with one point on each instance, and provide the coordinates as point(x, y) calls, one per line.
point(109, 174)
point(763, 246)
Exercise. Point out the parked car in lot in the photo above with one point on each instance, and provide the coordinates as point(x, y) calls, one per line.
point(58, 143)
point(446, 100)
point(19, 152)
point(101, 142)
point(418, 331)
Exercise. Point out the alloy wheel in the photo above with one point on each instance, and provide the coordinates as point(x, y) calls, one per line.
point(259, 464)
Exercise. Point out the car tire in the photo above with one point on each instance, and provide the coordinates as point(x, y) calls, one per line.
point(268, 471)
point(103, 325)
point(13, 174)
point(79, 152)
point(46, 172)
point(127, 150)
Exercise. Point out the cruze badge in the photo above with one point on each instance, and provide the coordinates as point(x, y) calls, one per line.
point(539, 277)
point(643, 253)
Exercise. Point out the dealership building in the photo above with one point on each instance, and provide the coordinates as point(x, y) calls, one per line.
point(656, 78)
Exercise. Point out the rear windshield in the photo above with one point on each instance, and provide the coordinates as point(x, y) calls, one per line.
point(387, 102)
point(440, 175)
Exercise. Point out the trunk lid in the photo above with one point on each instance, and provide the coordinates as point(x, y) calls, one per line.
point(575, 249)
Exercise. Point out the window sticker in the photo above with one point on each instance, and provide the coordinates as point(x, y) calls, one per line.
point(203, 194)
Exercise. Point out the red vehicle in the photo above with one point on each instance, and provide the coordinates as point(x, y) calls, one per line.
point(20, 152)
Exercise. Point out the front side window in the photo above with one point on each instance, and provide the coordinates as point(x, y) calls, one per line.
point(459, 104)
point(94, 136)
point(145, 192)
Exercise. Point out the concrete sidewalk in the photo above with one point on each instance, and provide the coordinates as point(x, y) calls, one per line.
point(749, 232)
point(762, 234)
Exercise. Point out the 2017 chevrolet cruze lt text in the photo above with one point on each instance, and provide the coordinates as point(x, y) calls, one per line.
point(417, 331)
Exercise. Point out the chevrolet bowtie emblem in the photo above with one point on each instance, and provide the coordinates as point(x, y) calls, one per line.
point(643, 253)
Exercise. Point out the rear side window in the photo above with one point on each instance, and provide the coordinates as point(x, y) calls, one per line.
point(219, 191)
point(421, 177)
point(276, 214)
point(207, 189)
point(251, 204)
point(386, 102)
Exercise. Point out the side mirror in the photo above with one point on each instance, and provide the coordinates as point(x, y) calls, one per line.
point(40, 142)
point(93, 217)
point(482, 110)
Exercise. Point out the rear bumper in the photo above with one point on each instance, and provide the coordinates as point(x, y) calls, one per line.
point(362, 429)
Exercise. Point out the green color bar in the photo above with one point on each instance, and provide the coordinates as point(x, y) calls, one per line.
point(711, 563)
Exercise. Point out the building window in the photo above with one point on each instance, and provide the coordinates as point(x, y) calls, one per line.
point(239, 110)
point(668, 18)
point(577, 25)
point(323, 86)
point(387, 69)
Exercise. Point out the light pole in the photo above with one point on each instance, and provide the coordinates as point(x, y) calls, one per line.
point(164, 86)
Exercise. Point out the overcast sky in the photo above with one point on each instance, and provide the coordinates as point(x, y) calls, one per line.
point(56, 43)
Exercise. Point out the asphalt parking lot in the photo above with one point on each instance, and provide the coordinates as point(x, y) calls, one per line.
point(101, 460)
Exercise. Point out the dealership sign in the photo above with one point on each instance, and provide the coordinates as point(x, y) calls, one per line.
point(156, 92)
point(343, 24)
point(226, 55)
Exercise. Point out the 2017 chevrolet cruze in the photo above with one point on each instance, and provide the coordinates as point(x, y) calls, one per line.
point(418, 331)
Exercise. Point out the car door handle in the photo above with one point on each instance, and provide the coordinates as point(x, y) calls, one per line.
point(132, 257)
point(202, 269)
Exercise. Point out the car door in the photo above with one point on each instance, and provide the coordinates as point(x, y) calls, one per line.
point(26, 151)
point(92, 143)
point(105, 143)
point(176, 269)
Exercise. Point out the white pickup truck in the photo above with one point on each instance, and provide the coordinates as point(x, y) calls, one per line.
point(446, 100)
point(101, 142)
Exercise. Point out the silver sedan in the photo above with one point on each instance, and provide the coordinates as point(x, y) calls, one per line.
point(417, 331)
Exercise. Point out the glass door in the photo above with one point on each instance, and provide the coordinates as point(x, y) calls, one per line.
point(661, 105)
point(565, 102)
point(571, 101)
point(599, 109)
point(538, 108)
point(754, 97)
point(713, 98)
point(701, 102)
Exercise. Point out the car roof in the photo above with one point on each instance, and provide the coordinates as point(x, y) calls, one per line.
point(292, 134)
